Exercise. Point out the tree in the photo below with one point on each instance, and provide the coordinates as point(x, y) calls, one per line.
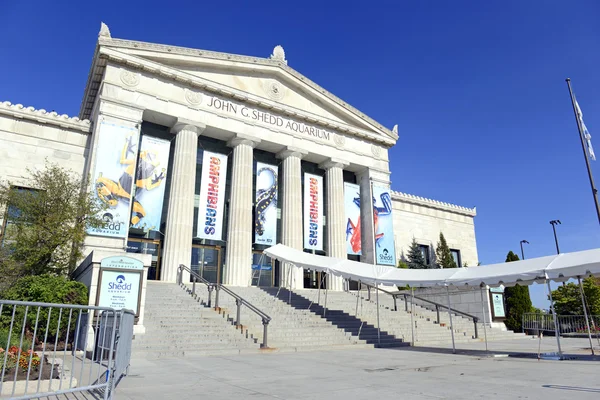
point(443, 254)
point(46, 225)
point(517, 301)
point(567, 298)
point(415, 257)
point(402, 265)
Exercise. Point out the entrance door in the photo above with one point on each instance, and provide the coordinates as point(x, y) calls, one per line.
point(147, 246)
point(206, 262)
point(262, 270)
point(312, 279)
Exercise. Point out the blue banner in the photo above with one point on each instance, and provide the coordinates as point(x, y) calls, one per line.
point(352, 208)
point(385, 250)
point(150, 184)
point(265, 205)
point(114, 170)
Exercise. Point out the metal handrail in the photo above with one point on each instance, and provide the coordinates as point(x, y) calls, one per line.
point(435, 304)
point(239, 300)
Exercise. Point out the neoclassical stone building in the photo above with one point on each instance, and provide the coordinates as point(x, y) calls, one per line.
point(207, 158)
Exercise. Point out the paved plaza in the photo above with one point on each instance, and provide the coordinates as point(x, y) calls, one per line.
point(409, 373)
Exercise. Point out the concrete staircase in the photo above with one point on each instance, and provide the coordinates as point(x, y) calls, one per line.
point(298, 327)
point(178, 325)
point(427, 330)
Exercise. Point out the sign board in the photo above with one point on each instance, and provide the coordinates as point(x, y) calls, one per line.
point(121, 263)
point(120, 283)
point(119, 289)
point(497, 305)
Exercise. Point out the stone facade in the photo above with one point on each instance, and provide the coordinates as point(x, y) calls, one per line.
point(28, 137)
point(246, 105)
point(423, 219)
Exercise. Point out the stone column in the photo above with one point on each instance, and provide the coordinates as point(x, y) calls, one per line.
point(367, 233)
point(336, 216)
point(366, 211)
point(239, 233)
point(291, 213)
point(180, 216)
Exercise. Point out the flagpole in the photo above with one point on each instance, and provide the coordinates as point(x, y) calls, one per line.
point(585, 155)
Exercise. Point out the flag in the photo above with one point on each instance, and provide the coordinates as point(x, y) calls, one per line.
point(586, 133)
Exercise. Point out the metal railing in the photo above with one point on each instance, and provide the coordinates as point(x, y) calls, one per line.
point(53, 349)
point(218, 287)
point(569, 325)
point(427, 303)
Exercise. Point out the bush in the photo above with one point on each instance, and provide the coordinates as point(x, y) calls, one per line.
point(43, 289)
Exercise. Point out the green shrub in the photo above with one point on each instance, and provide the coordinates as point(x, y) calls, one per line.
point(14, 340)
point(43, 289)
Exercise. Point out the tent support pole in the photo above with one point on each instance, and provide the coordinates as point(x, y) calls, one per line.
point(484, 318)
point(378, 328)
point(291, 284)
point(326, 289)
point(319, 292)
point(556, 328)
point(412, 311)
point(587, 321)
point(450, 315)
point(357, 297)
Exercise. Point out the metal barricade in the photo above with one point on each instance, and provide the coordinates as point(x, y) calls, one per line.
point(51, 349)
point(569, 325)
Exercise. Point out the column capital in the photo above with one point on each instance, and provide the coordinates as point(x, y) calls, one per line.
point(187, 125)
point(333, 163)
point(374, 175)
point(242, 138)
point(290, 151)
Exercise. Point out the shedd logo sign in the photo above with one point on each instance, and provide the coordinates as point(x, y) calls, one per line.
point(385, 256)
point(119, 284)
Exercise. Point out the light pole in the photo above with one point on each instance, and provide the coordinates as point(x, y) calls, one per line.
point(555, 222)
point(523, 254)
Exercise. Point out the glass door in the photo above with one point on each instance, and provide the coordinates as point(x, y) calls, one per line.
point(206, 262)
point(262, 270)
point(147, 246)
point(312, 279)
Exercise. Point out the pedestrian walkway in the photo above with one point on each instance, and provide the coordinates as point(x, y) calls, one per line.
point(414, 373)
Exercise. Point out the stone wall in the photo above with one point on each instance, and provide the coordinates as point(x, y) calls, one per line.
point(29, 137)
point(424, 219)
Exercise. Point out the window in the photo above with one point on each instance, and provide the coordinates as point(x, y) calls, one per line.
point(456, 257)
point(12, 217)
point(425, 252)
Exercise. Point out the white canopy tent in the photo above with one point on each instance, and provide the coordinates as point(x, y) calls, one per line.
point(559, 267)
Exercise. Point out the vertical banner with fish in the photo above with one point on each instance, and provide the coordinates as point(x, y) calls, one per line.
point(212, 196)
point(114, 168)
point(352, 208)
point(265, 205)
point(150, 184)
point(313, 212)
point(385, 251)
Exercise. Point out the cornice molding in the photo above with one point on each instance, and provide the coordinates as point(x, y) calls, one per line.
point(235, 94)
point(45, 117)
point(422, 201)
point(388, 137)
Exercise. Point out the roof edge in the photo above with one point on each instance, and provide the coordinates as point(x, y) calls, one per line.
point(41, 115)
point(109, 41)
point(411, 198)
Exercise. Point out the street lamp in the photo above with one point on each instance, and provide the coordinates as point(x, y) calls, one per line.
point(523, 254)
point(555, 222)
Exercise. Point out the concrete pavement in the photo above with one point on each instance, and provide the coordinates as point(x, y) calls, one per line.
point(413, 373)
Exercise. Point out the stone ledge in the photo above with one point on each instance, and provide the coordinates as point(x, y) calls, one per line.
point(411, 198)
point(43, 116)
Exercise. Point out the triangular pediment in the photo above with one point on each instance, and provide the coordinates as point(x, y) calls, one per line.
point(270, 81)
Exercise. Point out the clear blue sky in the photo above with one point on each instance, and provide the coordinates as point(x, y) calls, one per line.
point(477, 89)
